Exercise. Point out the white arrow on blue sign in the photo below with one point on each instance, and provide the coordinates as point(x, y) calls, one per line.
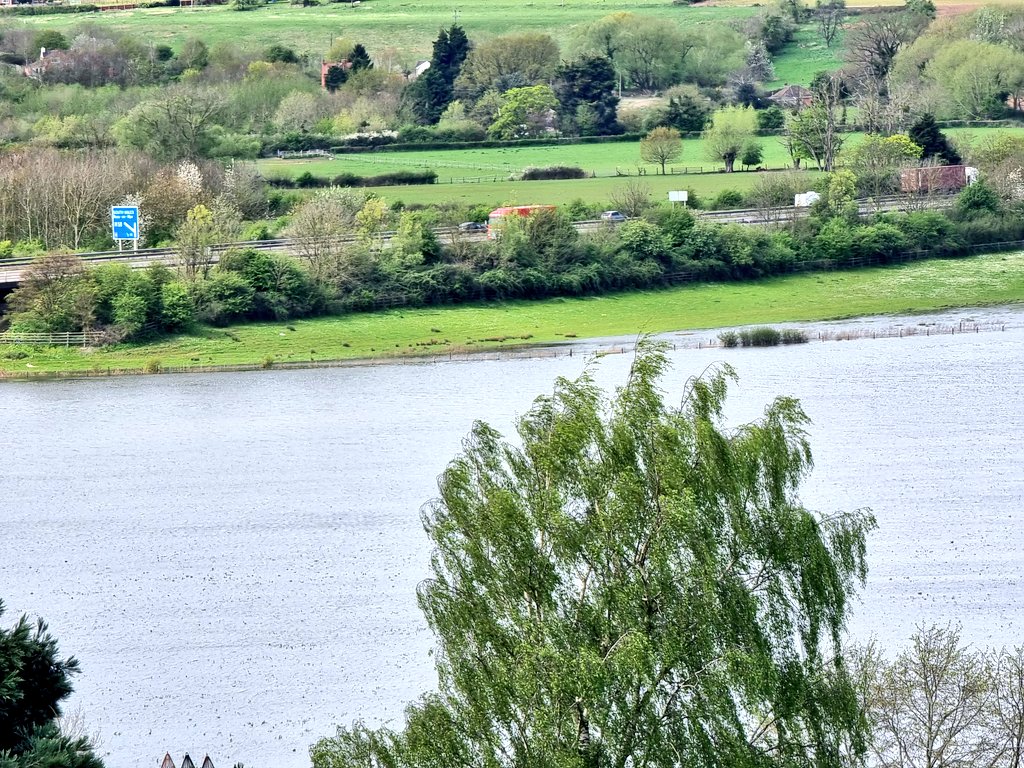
point(125, 222)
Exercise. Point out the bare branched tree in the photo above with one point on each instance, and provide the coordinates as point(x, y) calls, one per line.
point(322, 230)
point(830, 16)
point(933, 706)
point(773, 193)
point(1008, 704)
point(632, 198)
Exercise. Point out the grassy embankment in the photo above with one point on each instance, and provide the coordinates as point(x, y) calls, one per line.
point(486, 171)
point(931, 285)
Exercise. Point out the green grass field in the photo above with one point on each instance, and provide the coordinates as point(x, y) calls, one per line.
point(804, 57)
point(930, 285)
point(595, 191)
point(480, 176)
point(409, 27)
point(601, 159)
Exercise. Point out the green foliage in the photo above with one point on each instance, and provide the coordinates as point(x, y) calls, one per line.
point(359, 58)
point(662, 145)
point(731, 128)
point(336, 76)
point(841, 192)
point(553, 172)
point(643, 240)
point(771, 119)
point(926, 134)
point(727, 198)
point(776, 31)
point(729, 338)
point(624, 550)
point(51, 40)
point(760, 337)
point(685, 113)
point(223, 297)
point(177, 309)
point(587, 83)
point(877, 160)
point(976, 200)
point(753, 154)
point(278, 53)
point(434, 89)
point(525, 113)
point(34, 681)
point(130, 312)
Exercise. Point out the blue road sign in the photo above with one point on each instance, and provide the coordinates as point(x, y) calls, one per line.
point(125, 221)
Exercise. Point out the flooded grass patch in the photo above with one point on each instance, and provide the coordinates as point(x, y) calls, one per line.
point(917, 287)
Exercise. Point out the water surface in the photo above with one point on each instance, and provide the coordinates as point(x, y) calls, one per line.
point(233, 557)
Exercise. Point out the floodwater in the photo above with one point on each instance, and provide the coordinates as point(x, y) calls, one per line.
point(233, 557)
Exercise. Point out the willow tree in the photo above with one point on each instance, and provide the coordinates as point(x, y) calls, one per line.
point(629, 584)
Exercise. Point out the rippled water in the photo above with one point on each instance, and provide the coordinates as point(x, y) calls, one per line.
point(233, 557)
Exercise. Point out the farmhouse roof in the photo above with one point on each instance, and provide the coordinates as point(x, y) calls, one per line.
point(792, 95)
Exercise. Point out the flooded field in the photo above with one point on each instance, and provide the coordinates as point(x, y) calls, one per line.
point(233, 557)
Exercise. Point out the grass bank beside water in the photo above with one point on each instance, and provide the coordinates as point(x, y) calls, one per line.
point(918, 287)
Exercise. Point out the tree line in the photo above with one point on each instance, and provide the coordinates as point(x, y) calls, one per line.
point(353, 253)
point(96, 87)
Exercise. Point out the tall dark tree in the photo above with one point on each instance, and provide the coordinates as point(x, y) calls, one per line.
point(588, 83)
point(630, 584)
point(685, 114)
point(359, 58)
point(926, 134)
point(336, 76)
point(435, 88)
point(34, 681)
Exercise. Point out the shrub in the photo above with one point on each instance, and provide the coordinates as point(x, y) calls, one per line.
point(224, 297)
point(307, 180)
point(153, 365)
point(397, 178)
point(727, 198)
point(794, 336)
point(554, 172)
point(977, 200)
point(760, 337)
point(729, 338)
point(177, 310)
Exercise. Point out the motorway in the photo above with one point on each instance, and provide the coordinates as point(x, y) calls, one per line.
point(13, 270)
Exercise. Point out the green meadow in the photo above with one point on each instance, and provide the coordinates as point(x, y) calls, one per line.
point(804, 57)
point(593, 191)
point(918, 287)
point(601, 159)
point(409, 27)
point(482, 176)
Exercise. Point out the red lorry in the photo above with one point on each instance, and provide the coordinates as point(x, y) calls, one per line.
point(938, 178)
